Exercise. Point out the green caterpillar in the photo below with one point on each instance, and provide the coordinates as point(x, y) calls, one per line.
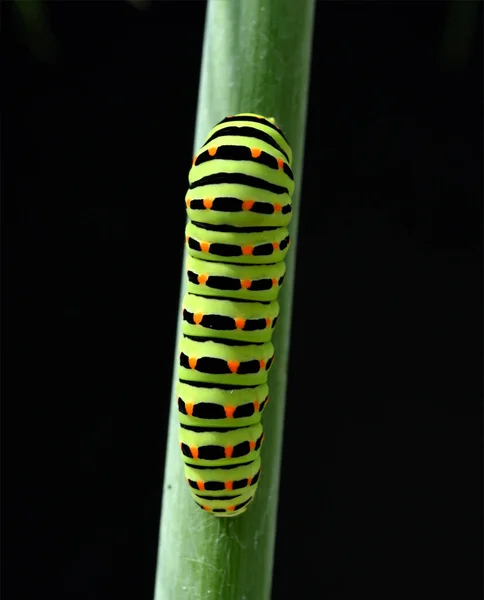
point(239, 206)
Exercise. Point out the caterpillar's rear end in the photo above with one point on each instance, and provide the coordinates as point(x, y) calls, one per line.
point(239, 206)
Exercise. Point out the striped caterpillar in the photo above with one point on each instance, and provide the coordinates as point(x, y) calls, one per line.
point(238, 206)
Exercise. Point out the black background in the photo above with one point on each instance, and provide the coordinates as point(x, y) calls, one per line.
point(381, 483)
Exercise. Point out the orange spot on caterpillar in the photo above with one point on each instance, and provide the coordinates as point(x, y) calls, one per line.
point(229, 451)
point(229, 485)
point(187, 237)
point(192, 362)
point(212, 151)
point(202, 279)
point(249, 481)
point(256, 152)
point(251, 445)
point(189, 408)
point(233, 365)
point(230, 508)
point(197, 318)
point(256, 406)
point(201, 485)
point(229, 411)
point(194, 160)
point(280, 163)
point(262, 363)
point(207, 508)
point(204, 246)
point(207, 203)
point(268, 322)
point(274, 281)
point(245, 283)
point(247, 204)
point(240, 323)
point(194, 451)
point(247, 250)
point(275, 245)
point(277, 207)
point(187, 202)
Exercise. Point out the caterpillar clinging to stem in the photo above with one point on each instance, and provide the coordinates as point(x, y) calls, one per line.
point(239, 207)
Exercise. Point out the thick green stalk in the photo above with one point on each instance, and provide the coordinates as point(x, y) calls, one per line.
point(256, 58)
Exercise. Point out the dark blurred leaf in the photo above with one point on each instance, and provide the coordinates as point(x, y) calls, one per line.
point(33, 19)
point(459, 32)
point(140, 4)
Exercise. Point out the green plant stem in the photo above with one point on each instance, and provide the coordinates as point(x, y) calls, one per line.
point(256, 58)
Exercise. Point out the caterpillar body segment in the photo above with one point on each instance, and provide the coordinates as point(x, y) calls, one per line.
point(246, 247)
point(216, 407)
point(224, 318)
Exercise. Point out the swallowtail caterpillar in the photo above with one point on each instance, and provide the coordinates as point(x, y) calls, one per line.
point(239, 206)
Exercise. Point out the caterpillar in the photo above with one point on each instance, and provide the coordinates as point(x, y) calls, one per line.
point(238, 206)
